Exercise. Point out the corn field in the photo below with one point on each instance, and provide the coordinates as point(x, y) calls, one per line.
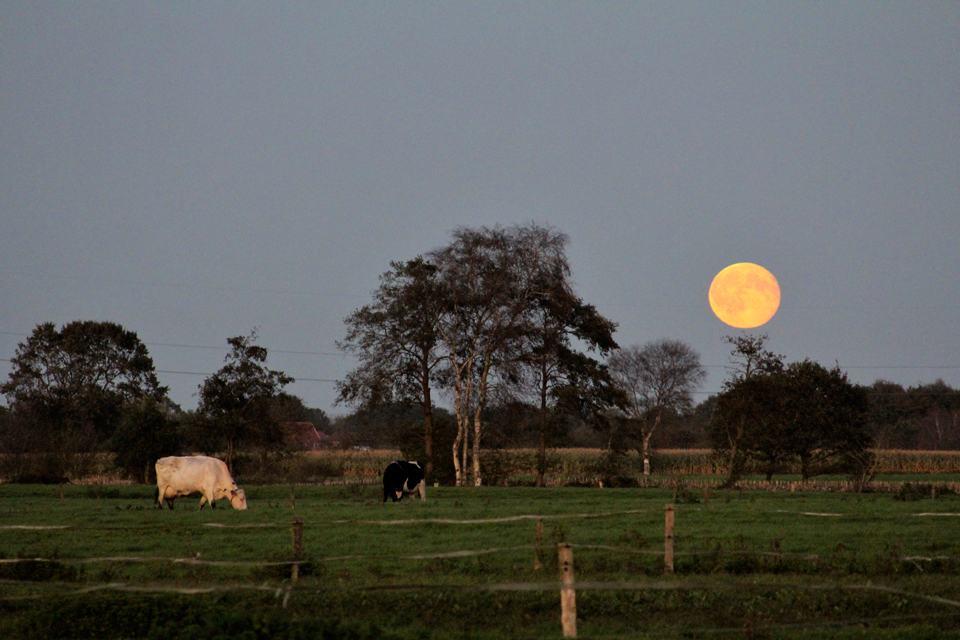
point(590, 466)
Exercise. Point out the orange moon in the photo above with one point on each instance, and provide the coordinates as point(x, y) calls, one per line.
point(744, 295)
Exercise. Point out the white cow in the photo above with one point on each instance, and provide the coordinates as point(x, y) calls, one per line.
point(184, 475)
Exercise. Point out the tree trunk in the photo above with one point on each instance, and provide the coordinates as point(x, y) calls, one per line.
point(465, 454)
point(646, 453)
point(542, 443)
point(427, 430)
point(646, 442)
point(461, 398)
point(458, 442)
point(542, 456)
point(477, 424)
point(733, 472)
point(477, 427)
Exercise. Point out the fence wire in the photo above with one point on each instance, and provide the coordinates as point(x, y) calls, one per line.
point(284, 592)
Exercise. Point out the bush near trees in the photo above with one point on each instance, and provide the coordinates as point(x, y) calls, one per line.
point(147, 433)
point(802, 413)
point(237, 401)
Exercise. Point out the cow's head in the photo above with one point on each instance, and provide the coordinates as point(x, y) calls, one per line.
point(238, 499)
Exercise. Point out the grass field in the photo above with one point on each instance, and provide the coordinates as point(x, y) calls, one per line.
point(756, 563)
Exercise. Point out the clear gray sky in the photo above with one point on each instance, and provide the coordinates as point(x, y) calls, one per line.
point(194, 170)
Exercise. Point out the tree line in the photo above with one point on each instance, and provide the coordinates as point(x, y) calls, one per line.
point(91, 387)
point(490, 324)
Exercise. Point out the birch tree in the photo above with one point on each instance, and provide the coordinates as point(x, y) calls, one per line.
point(489, 277)
point(658, 378)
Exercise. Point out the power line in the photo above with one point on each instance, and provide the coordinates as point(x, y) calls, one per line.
point(185, 285)
point(207, 375)
point(199, 346)
point(344, 355)
point(208, 347)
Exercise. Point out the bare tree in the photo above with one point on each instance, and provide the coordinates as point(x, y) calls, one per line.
point(658, 378)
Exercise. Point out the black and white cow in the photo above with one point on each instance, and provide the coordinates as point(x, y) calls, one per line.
point(402, 478)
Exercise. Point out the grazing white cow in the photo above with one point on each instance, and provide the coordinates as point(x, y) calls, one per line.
point(184, 475)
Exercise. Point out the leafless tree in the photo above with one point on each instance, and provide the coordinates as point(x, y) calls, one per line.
point(658, 378)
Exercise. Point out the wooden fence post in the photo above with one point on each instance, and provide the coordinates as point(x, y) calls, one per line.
point(668, 540)
point(568, 595)
point(297, 548)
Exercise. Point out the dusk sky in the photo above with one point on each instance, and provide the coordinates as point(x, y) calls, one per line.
point(195, 170)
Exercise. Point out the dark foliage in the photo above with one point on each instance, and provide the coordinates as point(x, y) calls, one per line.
point(68, 391)
point(804, 414)
point(238, 399)
point(410, 440)
point(146, 434)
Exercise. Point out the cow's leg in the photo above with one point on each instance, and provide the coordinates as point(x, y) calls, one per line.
point(422, 490)
point(169, 503)
point(203, 501)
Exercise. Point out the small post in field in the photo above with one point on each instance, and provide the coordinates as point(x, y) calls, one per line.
point(568, 595)
point(668, 541)
point(538, 563)
point(297, 548)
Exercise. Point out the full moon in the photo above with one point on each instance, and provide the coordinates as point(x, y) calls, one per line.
point(744, 295)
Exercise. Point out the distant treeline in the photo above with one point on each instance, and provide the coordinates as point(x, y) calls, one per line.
point(923, 417)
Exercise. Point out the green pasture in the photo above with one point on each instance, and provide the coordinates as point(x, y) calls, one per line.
point(777, 564)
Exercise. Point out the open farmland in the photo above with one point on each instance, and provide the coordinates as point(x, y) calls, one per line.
point(464, 564)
